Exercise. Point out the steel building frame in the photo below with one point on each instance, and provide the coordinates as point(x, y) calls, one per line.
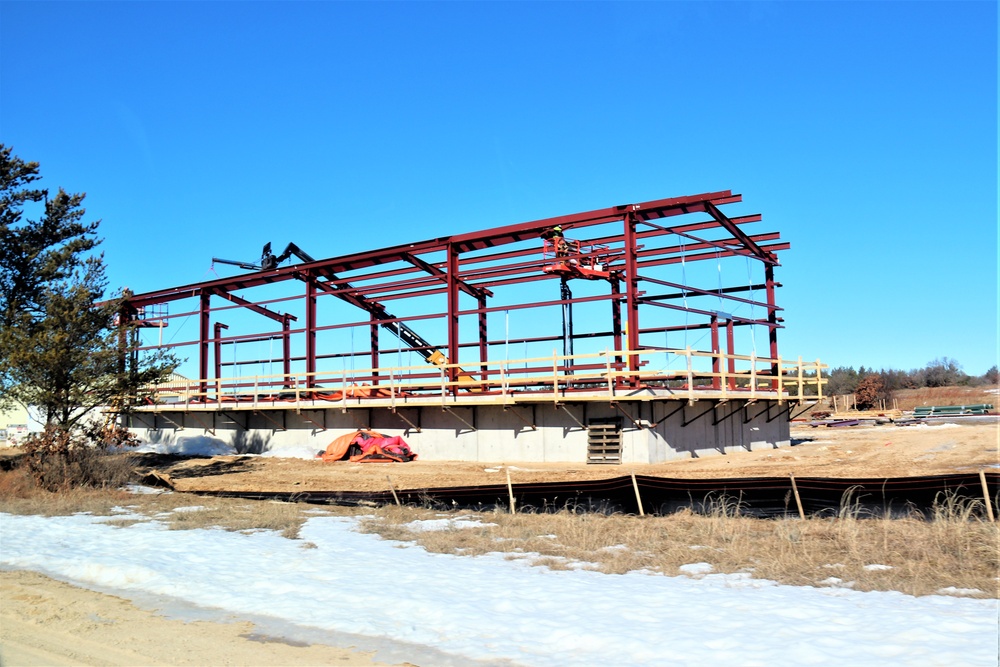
point(620, 253)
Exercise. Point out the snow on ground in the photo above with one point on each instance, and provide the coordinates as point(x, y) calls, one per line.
point(293, 452)
point(427, 525)
point(488, 608)
point(205, 446)
point(188, 446)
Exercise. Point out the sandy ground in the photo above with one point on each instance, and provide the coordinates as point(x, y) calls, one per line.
point(47, 622)
point(860, 451)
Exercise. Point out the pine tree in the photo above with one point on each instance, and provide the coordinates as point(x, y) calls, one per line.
point(59, 347)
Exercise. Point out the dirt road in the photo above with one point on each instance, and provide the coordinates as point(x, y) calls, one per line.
point(47, 622)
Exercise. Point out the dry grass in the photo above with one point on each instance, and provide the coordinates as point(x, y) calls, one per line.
point(231, 514)
point(19, 494)
point(953, 547)
point(915, 555)
point(907, 399)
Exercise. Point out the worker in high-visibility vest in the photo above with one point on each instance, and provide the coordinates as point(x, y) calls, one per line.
point(555, 236)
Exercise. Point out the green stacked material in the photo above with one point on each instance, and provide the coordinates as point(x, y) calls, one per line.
point(951, 410)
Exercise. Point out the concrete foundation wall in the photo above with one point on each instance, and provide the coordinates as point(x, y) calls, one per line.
point(651, 432)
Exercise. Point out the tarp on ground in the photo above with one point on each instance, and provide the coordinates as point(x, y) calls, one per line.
point(372, 446)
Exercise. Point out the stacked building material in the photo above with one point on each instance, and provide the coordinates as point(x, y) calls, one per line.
point(951, 410)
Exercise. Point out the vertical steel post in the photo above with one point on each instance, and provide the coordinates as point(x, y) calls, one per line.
point(374, 345)
point(772, 318)
point(484, 353)
point(204, 315)
point(616, 322)
point(310, 329)
point(217, 341)
point(731, 350)
point(286, 351)
point(716, 367)
point(632, 294)
point(452, 314)
point(124, 317)
point(616, 319)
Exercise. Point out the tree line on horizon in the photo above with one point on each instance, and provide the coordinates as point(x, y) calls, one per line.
point(870, 386)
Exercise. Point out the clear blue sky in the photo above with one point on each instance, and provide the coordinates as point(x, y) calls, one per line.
point(866, 133)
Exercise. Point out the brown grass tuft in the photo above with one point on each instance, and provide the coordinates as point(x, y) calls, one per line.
point(918, 556)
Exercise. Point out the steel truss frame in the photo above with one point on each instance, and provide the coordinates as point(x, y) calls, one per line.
point(638, 250)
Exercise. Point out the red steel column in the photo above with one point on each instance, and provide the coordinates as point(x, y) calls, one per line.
point(286, 350)
point(124, 317)
point(217, 341)
point(772, 318)
point(716, 380)
point(452, 313)
point(374, 345)
point(632, 293)
point(204, 315)
point(310, 329)
point(730, 350)
point(484, 353)
point(616, 319)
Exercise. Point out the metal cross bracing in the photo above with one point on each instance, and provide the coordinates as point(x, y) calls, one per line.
point(571, 304)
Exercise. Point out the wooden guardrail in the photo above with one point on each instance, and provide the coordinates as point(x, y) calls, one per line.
point(545, 378)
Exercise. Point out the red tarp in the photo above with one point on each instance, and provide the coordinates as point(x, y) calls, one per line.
point(372, 447)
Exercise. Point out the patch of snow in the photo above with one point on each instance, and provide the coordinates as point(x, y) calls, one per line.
point(951, 590)
point(191, 508)
point(428, 525)
point(695, 569)
point(876, 567)
point(198, 445)
point(141, 490)
point(307, 452)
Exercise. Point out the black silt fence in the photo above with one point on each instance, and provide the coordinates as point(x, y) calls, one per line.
point(760, 497)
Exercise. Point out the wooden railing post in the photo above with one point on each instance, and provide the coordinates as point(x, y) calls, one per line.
point(819, 380)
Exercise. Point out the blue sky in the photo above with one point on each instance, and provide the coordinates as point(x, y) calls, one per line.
point(866, 133)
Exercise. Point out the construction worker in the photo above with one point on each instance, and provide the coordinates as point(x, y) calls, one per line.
point(555, 236)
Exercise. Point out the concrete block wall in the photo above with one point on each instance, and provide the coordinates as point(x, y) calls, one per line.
point(652, 432)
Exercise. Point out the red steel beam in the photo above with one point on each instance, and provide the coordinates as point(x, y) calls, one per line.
point(278, 317)
point(438, 273)
point(701, 292)
point(764, 255)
